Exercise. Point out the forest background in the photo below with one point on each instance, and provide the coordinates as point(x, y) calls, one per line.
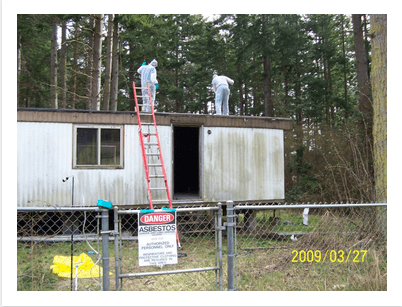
point(317, 70)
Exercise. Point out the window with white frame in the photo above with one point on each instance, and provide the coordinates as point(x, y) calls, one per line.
point(98, 146)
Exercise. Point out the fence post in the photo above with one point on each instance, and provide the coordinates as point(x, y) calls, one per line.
point(116, 247)
point(105, 248)
point(220, 228)
point(231, 224)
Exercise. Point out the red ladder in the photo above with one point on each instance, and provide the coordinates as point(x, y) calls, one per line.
point(152, 159)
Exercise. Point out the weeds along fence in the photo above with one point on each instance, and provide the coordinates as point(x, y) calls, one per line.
point(245, 247)
point(311, 247)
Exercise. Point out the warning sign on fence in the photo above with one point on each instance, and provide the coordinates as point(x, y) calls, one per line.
point(157, 237)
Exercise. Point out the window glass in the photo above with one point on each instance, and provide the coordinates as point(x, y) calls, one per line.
point(87, 146)
point(98, 147)
point(110, 146)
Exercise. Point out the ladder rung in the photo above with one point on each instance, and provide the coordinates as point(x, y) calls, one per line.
point(157, 188)
point(153, 144)
point(156, 176)
point(152, 154)
point(161, 201)
point(154, 165)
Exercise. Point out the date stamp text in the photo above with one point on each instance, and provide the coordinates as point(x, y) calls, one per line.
point(318, 256)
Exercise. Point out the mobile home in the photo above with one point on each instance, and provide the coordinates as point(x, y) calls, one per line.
point(208, 158)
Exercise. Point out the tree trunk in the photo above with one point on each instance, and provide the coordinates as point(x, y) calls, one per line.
point(366, 34)
point(266, 61)
point(329, 92)
point(365, 100)
point(362, 68)
point(285, 73)
point(176, 77)
point(115, 66)
point(345, 85)
point(19, 65)
point(63, 66)
point(108, 65)
point(379, 87)
point(254, 92)
point(89, 64)
point(97, 53)
point(379, 84)
point(326, 90)
point(267, 87)
point(297, 89)
point(240, 85)
point(246, 104)
point(132, 70)
point(75, 68)
point(53, 66)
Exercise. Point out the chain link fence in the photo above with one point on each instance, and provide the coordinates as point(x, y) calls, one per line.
point(250, 247)
point(49, 237)
point(311, 247)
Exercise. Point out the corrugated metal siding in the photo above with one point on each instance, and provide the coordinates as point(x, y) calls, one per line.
point(44, 154)
point(238, 164)
point(243, 164)
point(44, 158)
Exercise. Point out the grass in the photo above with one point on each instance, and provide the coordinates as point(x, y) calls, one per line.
point(257, 273)
point(33, 267)
point(199, 253)
point(267, 264)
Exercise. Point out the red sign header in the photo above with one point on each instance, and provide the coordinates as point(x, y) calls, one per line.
point(157, 218)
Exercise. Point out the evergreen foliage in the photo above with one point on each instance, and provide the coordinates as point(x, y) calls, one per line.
point(301, 67)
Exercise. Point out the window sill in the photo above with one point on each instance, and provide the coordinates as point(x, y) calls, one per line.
point(97, 167)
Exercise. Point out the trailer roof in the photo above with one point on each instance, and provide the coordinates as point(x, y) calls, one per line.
point(162, 119)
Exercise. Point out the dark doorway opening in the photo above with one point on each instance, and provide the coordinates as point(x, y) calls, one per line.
point(186, 162)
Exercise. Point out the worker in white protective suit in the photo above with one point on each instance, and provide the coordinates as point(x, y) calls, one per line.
point(220, 85)
point(148, 75)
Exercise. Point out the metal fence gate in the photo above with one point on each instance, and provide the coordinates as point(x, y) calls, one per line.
point(199, 264)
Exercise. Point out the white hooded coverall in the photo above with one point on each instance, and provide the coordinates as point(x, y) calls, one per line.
point(148, 75)
point(220, 85)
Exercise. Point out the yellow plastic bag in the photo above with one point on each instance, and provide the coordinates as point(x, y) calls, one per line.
point(86, 267)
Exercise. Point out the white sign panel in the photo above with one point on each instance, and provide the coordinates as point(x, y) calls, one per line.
point(157, 237)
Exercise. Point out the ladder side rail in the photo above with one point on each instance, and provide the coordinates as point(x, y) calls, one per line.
point(163, 164)
point(144, 158)
point(160, 149)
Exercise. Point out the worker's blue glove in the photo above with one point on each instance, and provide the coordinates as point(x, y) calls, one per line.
point(156, 85)
point(144, 63)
